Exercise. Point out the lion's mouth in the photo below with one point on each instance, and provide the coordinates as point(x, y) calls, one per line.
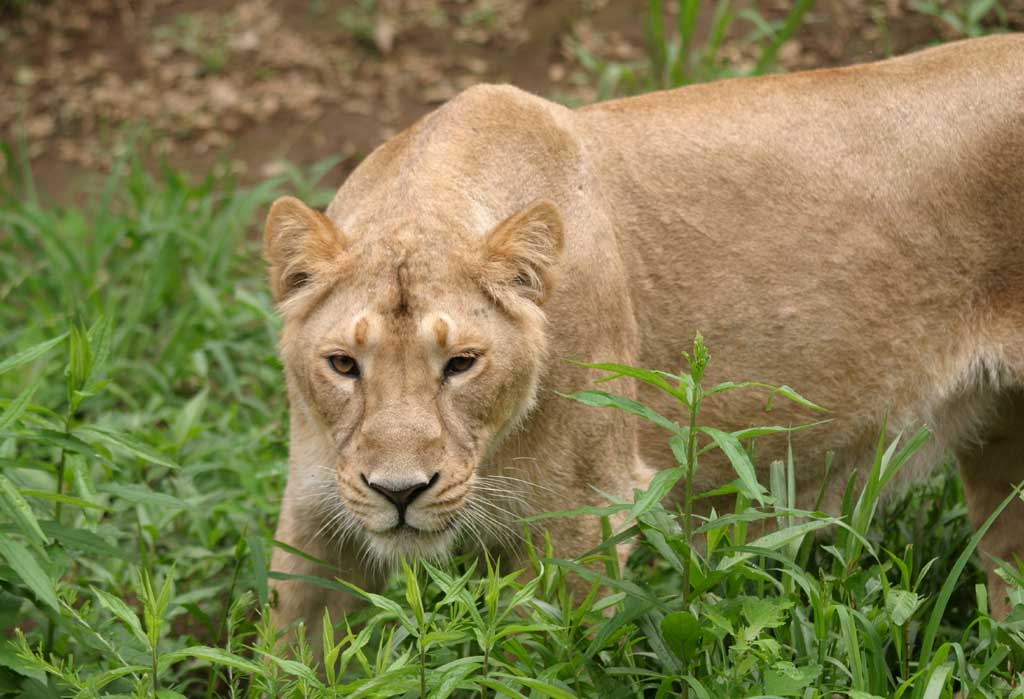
point(403, 528)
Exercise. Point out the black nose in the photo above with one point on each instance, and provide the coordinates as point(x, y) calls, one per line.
point(400, 495)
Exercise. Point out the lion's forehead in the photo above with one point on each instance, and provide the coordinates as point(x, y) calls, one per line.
point(407, 278)
point(370, 328)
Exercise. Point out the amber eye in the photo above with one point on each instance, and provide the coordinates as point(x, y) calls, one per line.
point(459, 365)
point(344, 365)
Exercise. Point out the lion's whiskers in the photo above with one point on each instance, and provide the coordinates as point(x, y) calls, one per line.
point(497, 529)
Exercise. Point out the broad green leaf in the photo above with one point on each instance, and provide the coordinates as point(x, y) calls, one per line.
point(446, 637)
point(21, 560)
point(775, 540)
point(500, 688)
point(126, 442)
point(337, 585)
point(305, 556)
point(754, 432)
point(412, 593)
point(80, 474)
point(516, 629)
point(100, 335)
point(679, 444)
point(169, 694)
point(381, 602)
point(901, 605)
point(293, 668)
point(937, 681)
point(217, 656)
point(36, 415)
point(660, 542)
point(141, 495)
point(649, 625)
point(784, 391)
point(64, 499)
point(653, 378)
point(853, 656)
point(18, 405)
point(80, 360)
point(84, 540)
point(545, 688)
point(258, 559)
point(682, 633)
point(105, 678)
point(32, 353)
point(123, 612)
point(64, 441)
point(189, 416)
point(785, 679)
point(21, 512)
point(454, 674)
point(600, 399)
point(626, 586)
point(163, 599)
point(740, 462)
point(764, 613)
point(634, 608)
point(790, 394)
point(395, 682)
point(699, 690)
point(659, 487)
point(585, 510)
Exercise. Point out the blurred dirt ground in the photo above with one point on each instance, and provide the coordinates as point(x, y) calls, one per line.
point(248, 86)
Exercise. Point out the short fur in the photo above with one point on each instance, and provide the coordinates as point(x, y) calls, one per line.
point(855, 233)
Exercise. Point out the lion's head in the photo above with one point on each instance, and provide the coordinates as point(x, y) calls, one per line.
point(410, 348)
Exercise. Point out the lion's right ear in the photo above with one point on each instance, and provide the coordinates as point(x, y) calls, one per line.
point(520, 253)
point(300, 245)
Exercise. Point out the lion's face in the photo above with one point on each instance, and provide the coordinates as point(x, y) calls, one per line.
point(408, 363)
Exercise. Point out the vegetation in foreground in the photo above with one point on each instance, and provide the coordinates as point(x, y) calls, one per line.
point(142, 428)
point(142, 445)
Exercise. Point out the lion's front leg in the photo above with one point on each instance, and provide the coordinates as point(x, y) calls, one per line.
point(296, 600)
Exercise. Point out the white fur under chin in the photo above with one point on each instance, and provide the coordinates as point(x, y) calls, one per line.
point(389, 549)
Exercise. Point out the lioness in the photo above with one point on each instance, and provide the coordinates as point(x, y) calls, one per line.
point(855, 233)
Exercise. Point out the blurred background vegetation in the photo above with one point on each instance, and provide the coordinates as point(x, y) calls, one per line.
point(245, 87)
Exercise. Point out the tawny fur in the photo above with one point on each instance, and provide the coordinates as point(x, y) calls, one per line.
point(855, 233)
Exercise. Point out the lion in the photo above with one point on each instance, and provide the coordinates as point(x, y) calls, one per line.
point(856, 233)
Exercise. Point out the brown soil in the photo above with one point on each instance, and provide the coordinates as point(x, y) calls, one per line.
point(250, 86)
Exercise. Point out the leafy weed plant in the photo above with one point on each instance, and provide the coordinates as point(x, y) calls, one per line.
point(676, 56)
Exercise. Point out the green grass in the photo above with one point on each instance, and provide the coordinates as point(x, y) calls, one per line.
point(676, 56)
point(142, 447)
point(677, 53)
point(142, 458)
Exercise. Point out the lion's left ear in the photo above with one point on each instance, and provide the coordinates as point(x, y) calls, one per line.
point(519, 254)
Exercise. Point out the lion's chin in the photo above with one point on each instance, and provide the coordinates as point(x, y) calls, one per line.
point(389, 547)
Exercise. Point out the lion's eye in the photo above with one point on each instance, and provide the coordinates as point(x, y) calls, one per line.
point(459, 365)
point(344, 365)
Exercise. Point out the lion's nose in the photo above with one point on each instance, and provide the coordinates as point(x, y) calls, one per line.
point(400, 493)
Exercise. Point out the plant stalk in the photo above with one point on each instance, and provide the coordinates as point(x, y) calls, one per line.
point(691, 457)
point(51, 627)
point(156, 683)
